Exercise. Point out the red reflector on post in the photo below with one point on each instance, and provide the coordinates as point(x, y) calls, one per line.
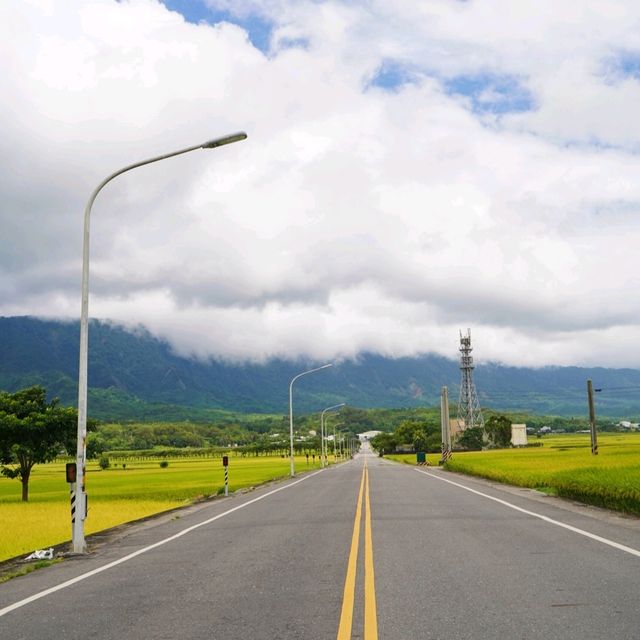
point(71, 471)
point(225, 461)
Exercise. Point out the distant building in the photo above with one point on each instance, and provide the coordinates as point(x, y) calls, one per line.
point(367, 435)
point(457, 426)
point(519, 435)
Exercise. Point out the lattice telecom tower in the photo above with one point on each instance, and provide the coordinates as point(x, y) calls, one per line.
point(469, 412)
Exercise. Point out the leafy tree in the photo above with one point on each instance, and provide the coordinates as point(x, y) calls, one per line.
point(423, 435)
point(33, 431)
point(357, 420)
point(498, 430)
point(433, 443)
point(96, 444)
point(470, 439)
point(405, 432)
point(142, 437)
point(384, 443)
point(419, 440)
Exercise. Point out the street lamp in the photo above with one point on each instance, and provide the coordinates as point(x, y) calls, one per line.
point(79, 544)
point(304, 373)
point(335, 442)
point(322, 442)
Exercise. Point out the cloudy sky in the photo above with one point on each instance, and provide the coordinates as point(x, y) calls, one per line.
point(412, 168)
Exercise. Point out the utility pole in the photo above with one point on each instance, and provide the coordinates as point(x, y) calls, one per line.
point(592, 419)
point(446, 427)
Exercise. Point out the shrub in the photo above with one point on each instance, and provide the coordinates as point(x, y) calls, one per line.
point(164, 464)
point(104, 462)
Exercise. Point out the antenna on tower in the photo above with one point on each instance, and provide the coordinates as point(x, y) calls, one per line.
point(469, 412)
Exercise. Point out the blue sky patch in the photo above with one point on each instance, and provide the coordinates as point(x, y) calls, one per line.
point(392, 74)
point(491, 93)
point(630, 65)
point(195, 11)
point(624, 65)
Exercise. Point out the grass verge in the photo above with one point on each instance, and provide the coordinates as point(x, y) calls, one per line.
point(120, 495)
point(27, 568)
point(564, 466)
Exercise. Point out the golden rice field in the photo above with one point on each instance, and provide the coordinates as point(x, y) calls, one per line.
point(119, 495)
point(563, 466)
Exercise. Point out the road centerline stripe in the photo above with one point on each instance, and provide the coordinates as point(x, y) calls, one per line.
point(345, 627)
point(370, 612)
point(557, 523)
point(348, 598)
point(110, 565)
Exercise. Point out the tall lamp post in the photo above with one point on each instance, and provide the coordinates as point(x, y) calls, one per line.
point(304, 373)
point(79, 544)
point(322, 442)
point(335, 442)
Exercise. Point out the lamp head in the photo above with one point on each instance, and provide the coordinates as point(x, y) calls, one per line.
point(219, 142)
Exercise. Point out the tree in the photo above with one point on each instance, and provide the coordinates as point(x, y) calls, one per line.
point(356, 420)
point(384, 443)
point(422, 435)
point(33, 431)
point(404, 434)
point(498, 430)
point(419, 440)
point(470, 439)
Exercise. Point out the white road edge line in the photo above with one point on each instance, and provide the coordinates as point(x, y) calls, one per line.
point(582, 532)
point(93, 572)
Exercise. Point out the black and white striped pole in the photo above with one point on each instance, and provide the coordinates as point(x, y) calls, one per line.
point(72, 491)
point(592, 419)
point(225, 464)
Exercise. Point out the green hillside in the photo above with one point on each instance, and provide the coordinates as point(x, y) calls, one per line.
point(133, 375)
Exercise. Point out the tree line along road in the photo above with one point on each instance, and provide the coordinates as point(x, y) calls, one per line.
point(366, 549)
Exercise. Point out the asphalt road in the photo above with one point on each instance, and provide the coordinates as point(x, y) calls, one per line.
point(366, 549)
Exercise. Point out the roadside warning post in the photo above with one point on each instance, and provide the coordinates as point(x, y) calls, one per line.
point(592, 419)
point(225, 464)
point(71, 471)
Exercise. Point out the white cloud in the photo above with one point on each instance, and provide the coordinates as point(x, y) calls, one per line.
point(356, 217)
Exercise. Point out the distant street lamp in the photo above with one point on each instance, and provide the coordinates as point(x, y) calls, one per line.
point(304, 373)
point(323, 444)
point(79, 544)
point(335, 443)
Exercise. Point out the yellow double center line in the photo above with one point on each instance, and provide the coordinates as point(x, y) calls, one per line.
point(348, 599)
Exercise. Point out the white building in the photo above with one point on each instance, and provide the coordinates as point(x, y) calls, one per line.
point(367, 435)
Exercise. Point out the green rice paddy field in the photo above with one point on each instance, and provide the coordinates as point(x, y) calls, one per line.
point(563, 466)
point(119, 495)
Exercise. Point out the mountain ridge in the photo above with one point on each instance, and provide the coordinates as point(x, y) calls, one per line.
point(136, 369)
